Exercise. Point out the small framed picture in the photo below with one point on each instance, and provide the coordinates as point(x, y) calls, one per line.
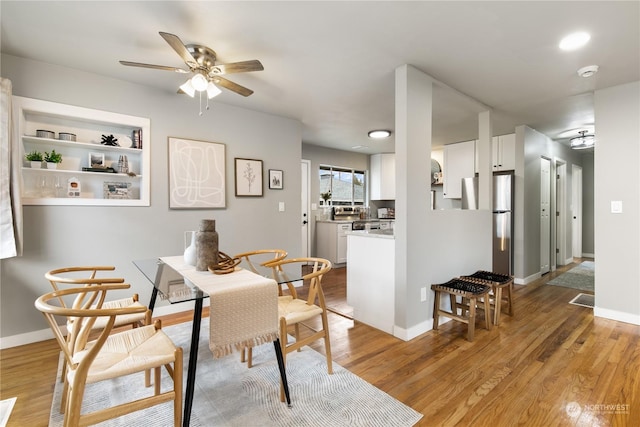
point(96, 160)
point(275, 179)
point(248, 177)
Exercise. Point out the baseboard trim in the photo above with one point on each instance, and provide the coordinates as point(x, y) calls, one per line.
point(619, 316)
point(414, 331)
point(47, 334)
point(587, 255)
point(527, 280)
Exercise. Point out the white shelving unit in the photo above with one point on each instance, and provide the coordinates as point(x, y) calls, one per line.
point(49, 186)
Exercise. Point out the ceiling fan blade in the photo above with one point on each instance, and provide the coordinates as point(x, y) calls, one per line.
point(177, 45)
point(228, 84)
point(156, 67)
point(238, 67)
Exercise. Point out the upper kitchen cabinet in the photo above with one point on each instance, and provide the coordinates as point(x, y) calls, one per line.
point(503, 152)
point(105, 155)
point(383, 177)
point(458, 163)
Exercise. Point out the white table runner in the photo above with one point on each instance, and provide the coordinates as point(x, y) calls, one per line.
point(243, 306)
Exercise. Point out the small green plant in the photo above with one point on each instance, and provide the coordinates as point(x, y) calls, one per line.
point(34, 156)
point(52, 157)
point(325, 196)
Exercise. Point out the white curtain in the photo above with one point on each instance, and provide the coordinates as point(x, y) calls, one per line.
point(10, 180)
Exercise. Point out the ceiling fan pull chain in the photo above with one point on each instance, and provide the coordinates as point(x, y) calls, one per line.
point(200, 102)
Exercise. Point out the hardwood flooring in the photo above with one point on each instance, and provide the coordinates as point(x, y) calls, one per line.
point(552, 364)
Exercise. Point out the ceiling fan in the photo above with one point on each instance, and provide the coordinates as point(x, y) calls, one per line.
point(201, 61)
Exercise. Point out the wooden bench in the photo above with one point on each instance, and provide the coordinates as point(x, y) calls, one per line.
point(501, 287)
point(467, 290)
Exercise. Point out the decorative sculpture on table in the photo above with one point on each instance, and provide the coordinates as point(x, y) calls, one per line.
point(206, 245)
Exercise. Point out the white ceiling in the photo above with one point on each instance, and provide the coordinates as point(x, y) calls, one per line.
point(331, 64)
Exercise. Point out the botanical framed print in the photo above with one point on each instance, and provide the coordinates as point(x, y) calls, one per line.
point(275, 179)
point(248, 173)
point(196, 174)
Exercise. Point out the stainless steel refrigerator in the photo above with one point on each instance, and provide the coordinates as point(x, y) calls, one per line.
point(503, 184)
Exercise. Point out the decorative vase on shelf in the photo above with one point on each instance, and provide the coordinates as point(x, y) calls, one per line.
point(36, 164)
point(206, 245)
point(51, 165)
point(190, 250)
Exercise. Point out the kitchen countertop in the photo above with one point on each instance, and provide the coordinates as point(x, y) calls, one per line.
point(381, 234)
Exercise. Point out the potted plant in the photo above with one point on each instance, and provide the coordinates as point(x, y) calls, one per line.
point(326, 196)
point(35, 157)
point(52, 159)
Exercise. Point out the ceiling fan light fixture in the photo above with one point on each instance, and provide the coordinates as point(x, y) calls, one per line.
point(583, 141)
point(199, 82)
point(379, 134)
point(212, 90)
point(188, 88)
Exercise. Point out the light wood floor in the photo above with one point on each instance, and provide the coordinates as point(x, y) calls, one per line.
point(552, 364)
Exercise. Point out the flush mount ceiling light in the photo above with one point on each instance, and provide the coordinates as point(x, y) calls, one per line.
point(574, 41)
point(588, 71)
point(379, 134)
point(583, 141)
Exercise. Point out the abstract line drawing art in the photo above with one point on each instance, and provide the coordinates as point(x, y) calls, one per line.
point(196, 174)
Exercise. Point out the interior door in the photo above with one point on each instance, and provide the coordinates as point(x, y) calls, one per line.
point(545, 218)
point(305, 166)
point(561, 213)
point(576, 211)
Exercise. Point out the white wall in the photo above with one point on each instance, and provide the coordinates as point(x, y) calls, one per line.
point(617, 177)
point(57, 236)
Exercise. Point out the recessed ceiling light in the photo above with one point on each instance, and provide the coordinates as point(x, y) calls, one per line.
point(588, 71)
point(574, 41)
point(358, 147)
point(379, 134)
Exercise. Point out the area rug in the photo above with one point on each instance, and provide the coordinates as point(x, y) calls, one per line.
point(580, 277)
point(227, 393)
point(584, 300)
point(6, 406)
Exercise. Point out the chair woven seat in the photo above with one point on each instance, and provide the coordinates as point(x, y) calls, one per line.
point(491, 277)
point(461, 287)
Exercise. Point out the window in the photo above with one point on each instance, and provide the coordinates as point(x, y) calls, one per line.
point(347, 186)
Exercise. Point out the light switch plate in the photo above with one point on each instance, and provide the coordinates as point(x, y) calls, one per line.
point(616, 206)
point(281, 206)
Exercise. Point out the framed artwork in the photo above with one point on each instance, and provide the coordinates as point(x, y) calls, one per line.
point(96, 160)
point(196, 174)
point(248, 174)
point(275, 179)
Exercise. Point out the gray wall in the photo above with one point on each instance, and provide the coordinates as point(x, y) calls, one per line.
point(57, 236)
point(617, 177)
point(325, 156)
point(536, 146)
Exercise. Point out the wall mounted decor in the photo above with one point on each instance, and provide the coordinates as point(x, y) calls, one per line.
point(196, 174)
point(248, 174)
point(275, 179)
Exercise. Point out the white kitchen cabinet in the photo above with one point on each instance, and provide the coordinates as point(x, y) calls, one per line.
point(52, 186)
point(331, 238)
point(458, 163)
point(503, 152)
point(382, 179)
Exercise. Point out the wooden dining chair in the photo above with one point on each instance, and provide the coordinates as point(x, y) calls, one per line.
point(110, 355)
point(294, 311)
point(87, 276)
point(259, 261)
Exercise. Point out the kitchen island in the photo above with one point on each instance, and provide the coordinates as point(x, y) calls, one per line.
point(371, 277)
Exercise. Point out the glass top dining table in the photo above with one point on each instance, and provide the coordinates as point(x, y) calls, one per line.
point(173, 287)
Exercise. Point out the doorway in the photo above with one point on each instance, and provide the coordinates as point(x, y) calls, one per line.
point(305, 166)
point(545, 218)
point(561, 214)
point(576, 211)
